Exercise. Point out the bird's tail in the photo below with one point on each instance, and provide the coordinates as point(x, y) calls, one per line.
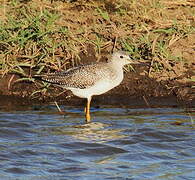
point(50, 77)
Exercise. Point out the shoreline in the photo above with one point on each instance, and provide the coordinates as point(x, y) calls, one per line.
point(10, 102)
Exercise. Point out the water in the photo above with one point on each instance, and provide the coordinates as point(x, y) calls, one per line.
point(121, 143)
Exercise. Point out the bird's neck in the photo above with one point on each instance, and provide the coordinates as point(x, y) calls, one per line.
point(116, 65)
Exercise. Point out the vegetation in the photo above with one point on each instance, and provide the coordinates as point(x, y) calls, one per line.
point(39, 36)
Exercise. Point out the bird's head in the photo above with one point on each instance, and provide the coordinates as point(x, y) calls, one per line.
point(122, 58)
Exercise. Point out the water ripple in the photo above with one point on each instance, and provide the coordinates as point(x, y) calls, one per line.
point(119, 144)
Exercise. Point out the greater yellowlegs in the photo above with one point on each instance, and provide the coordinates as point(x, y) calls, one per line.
point(94, 79)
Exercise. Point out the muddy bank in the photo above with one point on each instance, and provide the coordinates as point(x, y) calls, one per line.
point(136, 90)
point(21, 103)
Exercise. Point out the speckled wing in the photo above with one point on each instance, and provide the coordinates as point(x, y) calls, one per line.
point(79, 77)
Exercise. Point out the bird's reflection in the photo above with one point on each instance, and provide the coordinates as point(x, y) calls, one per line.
point(95, 131)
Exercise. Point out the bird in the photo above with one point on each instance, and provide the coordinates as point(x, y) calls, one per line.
point(88, 80)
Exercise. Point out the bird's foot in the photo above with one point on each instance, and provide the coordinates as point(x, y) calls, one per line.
point(88, 118)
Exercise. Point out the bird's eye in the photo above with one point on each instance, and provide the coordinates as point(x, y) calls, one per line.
point(121, 57)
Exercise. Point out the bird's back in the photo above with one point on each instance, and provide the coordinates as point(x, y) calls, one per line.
point(80, 77)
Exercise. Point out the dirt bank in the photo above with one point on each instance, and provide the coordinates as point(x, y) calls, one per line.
point(136, 90)
point(46, 36)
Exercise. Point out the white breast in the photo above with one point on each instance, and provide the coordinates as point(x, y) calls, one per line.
point(99, 87)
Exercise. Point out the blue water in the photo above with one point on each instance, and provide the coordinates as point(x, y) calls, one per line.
point(120, 143)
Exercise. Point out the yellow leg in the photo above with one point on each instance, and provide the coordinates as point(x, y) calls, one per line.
point(87, 111)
